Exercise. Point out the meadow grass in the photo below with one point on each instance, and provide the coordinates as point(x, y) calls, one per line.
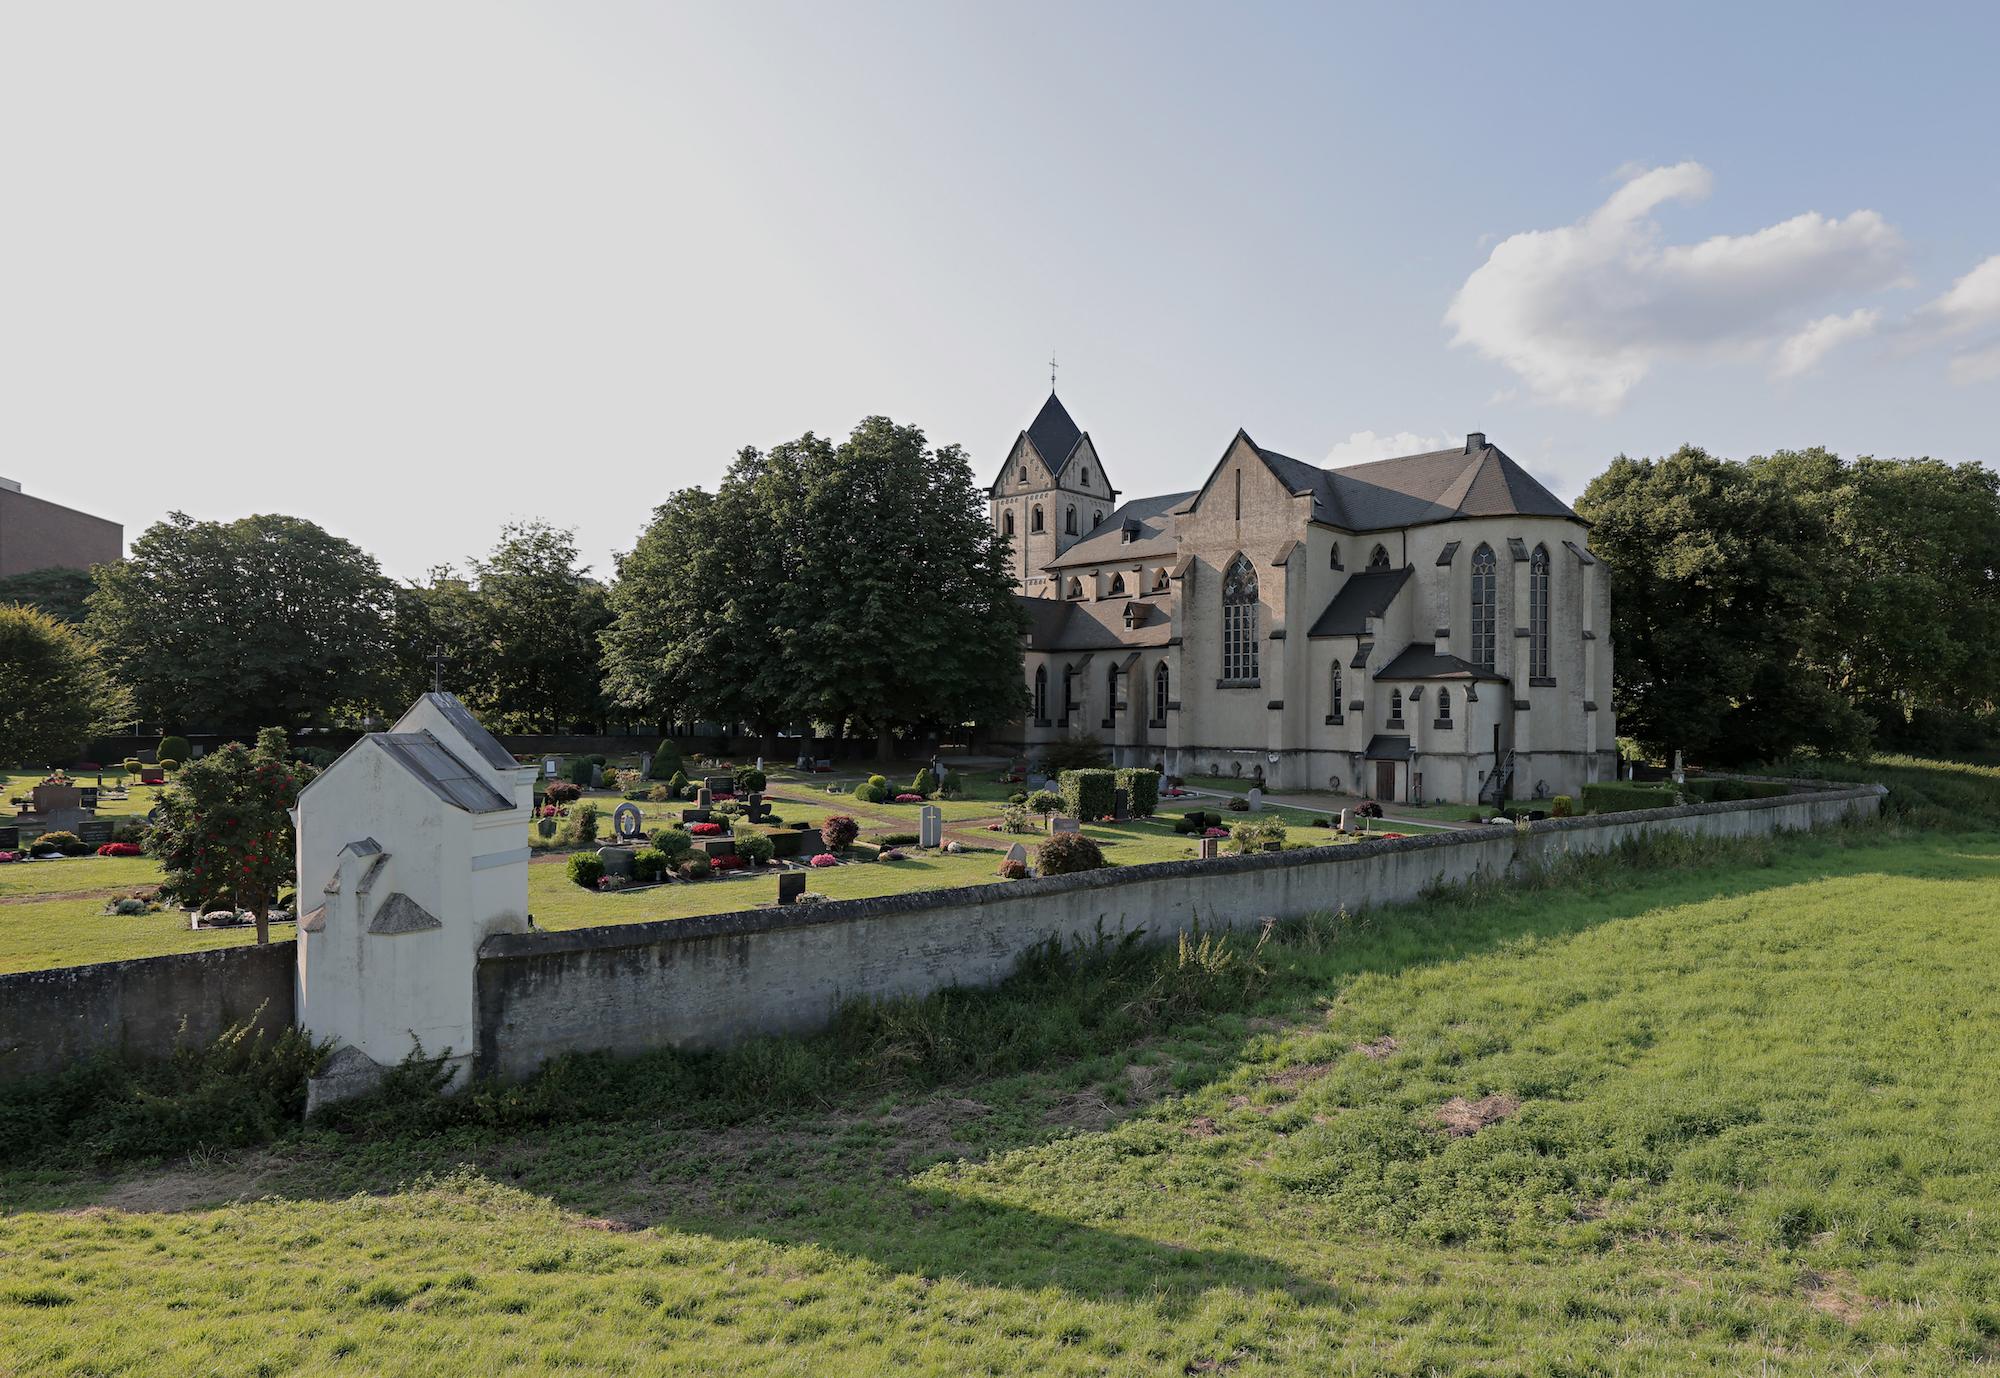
point(1745, 1123)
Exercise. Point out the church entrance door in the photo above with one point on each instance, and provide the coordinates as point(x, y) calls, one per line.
point(1385, 780)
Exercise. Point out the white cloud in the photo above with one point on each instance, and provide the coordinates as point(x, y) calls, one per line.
point(1802, 352)
point(1583, 312)
point(1977, 365)
point(1363, 446)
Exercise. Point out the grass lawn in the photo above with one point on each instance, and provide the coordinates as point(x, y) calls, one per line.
point(138, 802)
point(1740, 1116)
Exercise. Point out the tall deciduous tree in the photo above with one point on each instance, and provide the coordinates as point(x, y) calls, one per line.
point(224, 830)
point(61, 593)
point(540, 614)
point(226, 624)
point(54, 689)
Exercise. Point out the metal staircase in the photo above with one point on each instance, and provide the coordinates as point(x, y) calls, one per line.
point(1494, 791)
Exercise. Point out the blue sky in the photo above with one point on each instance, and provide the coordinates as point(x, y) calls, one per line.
point(496, 261)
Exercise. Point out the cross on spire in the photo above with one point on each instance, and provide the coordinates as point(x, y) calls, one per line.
point(1052, 370)
point(437, 659)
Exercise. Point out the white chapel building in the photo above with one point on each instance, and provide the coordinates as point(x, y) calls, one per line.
point(1432, 627)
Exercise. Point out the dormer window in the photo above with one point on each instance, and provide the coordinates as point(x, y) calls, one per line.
point(1159, 581)
point(1117, 585)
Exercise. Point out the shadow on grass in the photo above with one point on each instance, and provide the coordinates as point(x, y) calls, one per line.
point(841, 1178)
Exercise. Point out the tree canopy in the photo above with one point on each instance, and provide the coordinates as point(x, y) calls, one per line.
point(1798, 601)
point(224, 830)
point(857, 583)
point(55, 692)
point(61, 593)
point(227, 624)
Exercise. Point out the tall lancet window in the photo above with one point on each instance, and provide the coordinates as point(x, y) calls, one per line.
point(1160, 695)
point(1041, 693)
point(1239, 620)
point(1483, 597)
point(1538, 614)
point(1336, 711)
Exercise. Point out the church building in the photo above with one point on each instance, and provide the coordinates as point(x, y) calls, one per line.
point(1428, 628)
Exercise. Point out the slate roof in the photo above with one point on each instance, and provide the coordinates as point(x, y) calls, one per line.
point(401, 914)
point(442, 773)
point(1411, 490)
point(1054, 434)
point(1367, 593)
point(1384, 747)
point(1419, 661)
point(1056, 624)
point(484, 742)
point(1107, 546)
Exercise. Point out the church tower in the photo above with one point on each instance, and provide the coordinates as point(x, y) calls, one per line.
point(1051, 493)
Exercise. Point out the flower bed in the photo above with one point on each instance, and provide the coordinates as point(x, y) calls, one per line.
point(705, 829)
point(121, 849)
point(909, 798)
point(824, 859)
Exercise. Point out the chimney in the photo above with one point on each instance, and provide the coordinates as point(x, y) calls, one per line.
point(1475, 441)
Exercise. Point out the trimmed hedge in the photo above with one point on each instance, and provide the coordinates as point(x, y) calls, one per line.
point(1068, 853)
point(1142, 790)
point(578, 773)
point(1622, 796)
point(173, 749)
point(1087, 794)
point(585, 869)
point(1725, 791)
point(666, 759)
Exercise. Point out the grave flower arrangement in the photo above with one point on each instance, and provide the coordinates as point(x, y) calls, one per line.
point(907, 798)
point(6, 857)
point(705, 829)
point(1215, 832)
point(1013, 869)
point(729, 862)
point(824, 859)
point(893, 854)
point(121, 849)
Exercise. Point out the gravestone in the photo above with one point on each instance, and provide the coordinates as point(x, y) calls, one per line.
point(89, 793)
point(791, 884)
point(95, 833)
point(754, 807)
point(597, 777)
point(617, 860)
point(10, 838)
point(1208, 846)
point(199, 751)
point(719, 784)
point(549, 768)
point(803, 763)
point(713, 847)
point(699, 815)
point(760, 765)
point(546, 826)
point(1256, 799)
point(1347, 820)
point(625, 821)
point(645, 765)
point(1680, 770)
point(1059, 824)
point(1014, 853)
point(1036, 782)
point(704, 799)
point(1121, 806)
point(930, 826)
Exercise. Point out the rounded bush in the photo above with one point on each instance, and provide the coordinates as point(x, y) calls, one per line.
point(1068, 853)
point(586, 869)
point(170, 764)
point(666, 759)
point(749, 780)
point(839, 831)
point(694, 868)
point(132, 764)
point(1562, 806)
point(1044, 801)
point(880, 782)
point(824, 859)
point(648, 864)
point(578, 773)
point(562, 792)
point(174, 748)
point(61, 840)
point(1011, 869)
point(1239, 806)
point(755, 848)
point(871, 793)
point(1017, 798)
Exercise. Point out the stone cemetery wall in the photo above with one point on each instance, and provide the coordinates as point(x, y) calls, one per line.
point(706, 982)
point(49, 1019)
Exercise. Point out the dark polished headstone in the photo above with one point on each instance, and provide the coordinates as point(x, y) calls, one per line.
point(791, 884)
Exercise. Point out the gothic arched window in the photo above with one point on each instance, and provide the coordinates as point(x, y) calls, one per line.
point(1069, 520)
point(1444, 705)
point(1007, 523)
point(1538, 614)
point(1483, 598)
point(1086, 476)
point(1035, 518)
point(1110, 690)
point(1378, 558)
point(1041, 693)
point(1335, 709)
point(1075, 587)
point(1160, 692)
point(1117, 584)
point(1239, 620)
point(1333, 556)
point(1159, 581)
point(1096, 520)
point(1069, 690)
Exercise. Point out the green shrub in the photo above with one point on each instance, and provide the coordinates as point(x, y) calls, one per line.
point(925, 784)
point(597, 760)
point(1018, 798)
point(1087, 794)
point(1621, 796)
point(659, 794)
point(1067, 853)
point(648, 865)
point(674, 843)
point(173, 748)
point(749, 780)
point(666, 759)
point(64, 841)
point(170, 764)
point(1562, 806)
point(679, 785)
point(562, 792)
point(1239, 806)
point(1014, 819)
point(133, 765)
point(1252, 833)
point(899, 839)
point(585, 868)
point(880, 782)
point(871, 793)
point(1081, 752)
point(753, 846)
point(1044, 801)
point(695, 867)
point(839, 832)
point(578, 772)
point(1142, 790)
